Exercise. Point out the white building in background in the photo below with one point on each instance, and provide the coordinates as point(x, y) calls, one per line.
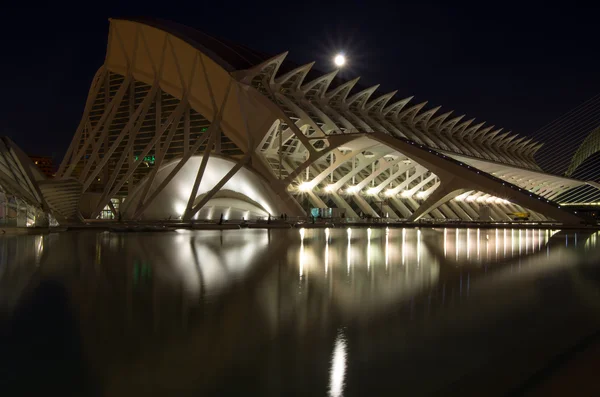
point(180, 125)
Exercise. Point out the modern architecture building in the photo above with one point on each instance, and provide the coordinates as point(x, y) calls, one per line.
point(181, 125)
point(27, 197)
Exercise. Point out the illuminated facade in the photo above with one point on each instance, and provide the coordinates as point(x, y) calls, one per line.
point(180, 125)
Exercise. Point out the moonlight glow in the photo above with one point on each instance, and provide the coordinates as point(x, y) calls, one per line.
point(339, 60)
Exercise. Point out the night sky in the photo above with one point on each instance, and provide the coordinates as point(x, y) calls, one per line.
point(514, 65)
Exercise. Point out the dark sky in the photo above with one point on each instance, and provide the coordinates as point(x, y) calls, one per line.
point(515, 65)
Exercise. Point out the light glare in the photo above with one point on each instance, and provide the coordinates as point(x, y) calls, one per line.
point(339, 60)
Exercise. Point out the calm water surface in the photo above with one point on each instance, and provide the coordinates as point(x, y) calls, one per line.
point(292, 312)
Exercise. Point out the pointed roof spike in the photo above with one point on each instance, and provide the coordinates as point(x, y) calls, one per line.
point(499, 139)
point(300, 70)
point(247, 75)
point(515, 143)
point(505, 141)
point(397, 106)
point(479, 133)
point(471, 130)
point(449, 125)
point(490, 136)
point(523, 145)
point(538, 147)
point(378, 103)
point(426, 116)
point(461, 127)
point(531, 146)
point(411, 112)
point(343, 90)
point(324, 80)
point(362, 96)
point(439, 120)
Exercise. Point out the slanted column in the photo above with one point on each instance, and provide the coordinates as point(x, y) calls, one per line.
point(446, 191)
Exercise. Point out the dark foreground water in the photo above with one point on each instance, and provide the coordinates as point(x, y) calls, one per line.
point(399, 312)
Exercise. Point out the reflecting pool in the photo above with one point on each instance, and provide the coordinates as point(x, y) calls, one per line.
point(337, 312)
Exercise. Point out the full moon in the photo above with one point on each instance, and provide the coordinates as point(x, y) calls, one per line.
point(339, 60)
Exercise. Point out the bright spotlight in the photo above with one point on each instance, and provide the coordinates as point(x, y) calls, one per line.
point(339, 60)
point(372, 191)
point(306, 186)
point(352, 189)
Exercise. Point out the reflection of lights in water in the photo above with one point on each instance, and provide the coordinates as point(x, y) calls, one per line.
point(327, 234)
point(369, 233)
point(520, 241)
point(40, 249)
point(526, 241)
point(478, 243)
point(301, 252)
point(505, 243)
point(575, 239)
point(369, 250)
point(348, 254)
point(445, 235)
point(403, 245)
point(338, 366)
point(418, 247)
point(387, 241)
point(457, 245)
point(512, 242)
point(326, 255)
point(468, 243)
point(349, 231)
point(496, 242)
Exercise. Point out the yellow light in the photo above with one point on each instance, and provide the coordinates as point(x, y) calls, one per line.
point(372, 191)
point(406, 194)
point(339, 60)
point(352, 189)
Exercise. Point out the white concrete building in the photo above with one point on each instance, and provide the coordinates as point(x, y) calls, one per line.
point(180, 125)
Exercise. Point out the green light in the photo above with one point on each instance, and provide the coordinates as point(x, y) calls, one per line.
point(147, 159)
point(203, 129)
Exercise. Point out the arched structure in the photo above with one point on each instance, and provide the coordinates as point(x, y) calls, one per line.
point(589, 147)
point(245, 194)
point(170, 103)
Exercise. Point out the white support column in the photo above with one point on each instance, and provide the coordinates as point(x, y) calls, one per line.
point(446, 191)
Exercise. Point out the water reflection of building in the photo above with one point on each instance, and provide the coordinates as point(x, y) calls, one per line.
point(206, 298)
